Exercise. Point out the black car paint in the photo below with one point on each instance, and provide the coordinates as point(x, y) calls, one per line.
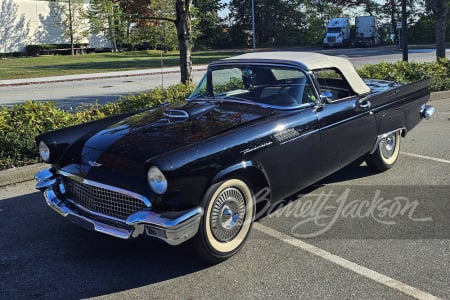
point(285, 150)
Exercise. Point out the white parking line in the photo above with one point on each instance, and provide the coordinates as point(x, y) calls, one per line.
point(373, 275)
point(426, 157)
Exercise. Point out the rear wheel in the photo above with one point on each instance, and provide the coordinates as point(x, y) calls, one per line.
point(386, 154)
point(226, 223)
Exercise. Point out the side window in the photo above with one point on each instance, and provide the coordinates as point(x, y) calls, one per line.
point(299, 86)
point(226, 80)
point(331, 80)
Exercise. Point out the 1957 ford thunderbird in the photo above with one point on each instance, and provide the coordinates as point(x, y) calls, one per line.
point(278, 121)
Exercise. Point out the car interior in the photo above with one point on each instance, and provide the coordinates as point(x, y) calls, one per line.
point(331, 80)
point(265, 87)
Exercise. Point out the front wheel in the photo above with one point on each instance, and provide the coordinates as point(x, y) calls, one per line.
point(225, 225)
point(386, 154)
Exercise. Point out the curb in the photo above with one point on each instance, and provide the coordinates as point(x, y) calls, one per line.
point(94, 76)
point(440, 95)
point(20, 174)
point(26, 173)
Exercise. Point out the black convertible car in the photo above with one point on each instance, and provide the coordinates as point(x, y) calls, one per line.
point(278, 121)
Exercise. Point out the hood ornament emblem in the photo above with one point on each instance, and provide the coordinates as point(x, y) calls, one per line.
point(94, 164)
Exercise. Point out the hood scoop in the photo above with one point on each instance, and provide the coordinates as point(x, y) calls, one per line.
point(176, 114)
point(191, 110)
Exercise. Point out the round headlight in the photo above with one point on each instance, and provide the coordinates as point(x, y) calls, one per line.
point(157, 180)
point(44, 151)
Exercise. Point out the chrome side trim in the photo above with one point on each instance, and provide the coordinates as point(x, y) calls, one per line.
point(384, 135)
point(107, 187)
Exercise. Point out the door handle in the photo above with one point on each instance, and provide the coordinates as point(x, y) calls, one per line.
point(365, 104)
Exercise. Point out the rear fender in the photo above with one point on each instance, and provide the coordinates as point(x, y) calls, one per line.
point(390, 121)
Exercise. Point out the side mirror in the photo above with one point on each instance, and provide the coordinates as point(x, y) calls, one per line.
point(326, 96)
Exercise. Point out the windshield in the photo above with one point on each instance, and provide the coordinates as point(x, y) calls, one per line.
point(334, 30)
point(264, 84)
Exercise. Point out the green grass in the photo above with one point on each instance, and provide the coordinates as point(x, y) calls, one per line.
point(42, 66)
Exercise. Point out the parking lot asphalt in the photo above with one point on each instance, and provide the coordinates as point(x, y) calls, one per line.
point(398, 248)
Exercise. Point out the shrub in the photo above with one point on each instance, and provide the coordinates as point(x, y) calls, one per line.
point(20, 124)
point(405, 72)
point(34, 50)
point(11, 54)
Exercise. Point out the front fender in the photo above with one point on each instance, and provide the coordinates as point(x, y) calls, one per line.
point(249, 171)
point(60, 140)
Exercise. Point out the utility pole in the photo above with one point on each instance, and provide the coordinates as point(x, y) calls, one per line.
point(404, 31)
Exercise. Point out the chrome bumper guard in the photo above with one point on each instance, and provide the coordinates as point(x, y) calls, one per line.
point(146, 222)
point(426, 111)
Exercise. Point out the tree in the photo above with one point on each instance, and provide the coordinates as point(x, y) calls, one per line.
point(177, 12)
point(326, 9)
point(372, 8)
point(183, 25)
point(135, 26)
point(105, 17)
point(277, 22)
point(74, 28)
point(14, 29)
point(208, 25)
point(392, 8)
point(440, 9)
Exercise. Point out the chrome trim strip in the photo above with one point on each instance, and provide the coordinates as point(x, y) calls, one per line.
point(107, 187)
point(382, 136)
point(249, 102)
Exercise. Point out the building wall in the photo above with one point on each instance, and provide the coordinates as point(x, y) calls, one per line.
point(38, 22)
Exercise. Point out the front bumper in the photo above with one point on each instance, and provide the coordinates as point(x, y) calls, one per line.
point(174, 230)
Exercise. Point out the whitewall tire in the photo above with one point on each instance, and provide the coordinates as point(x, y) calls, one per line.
point(229, 212)
point(386, 154)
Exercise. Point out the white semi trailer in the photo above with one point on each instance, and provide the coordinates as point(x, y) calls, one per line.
point(365, 31)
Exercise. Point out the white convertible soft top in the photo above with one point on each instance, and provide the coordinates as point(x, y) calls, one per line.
point(313, 61)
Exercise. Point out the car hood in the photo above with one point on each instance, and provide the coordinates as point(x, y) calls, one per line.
point(154, 132)
point(147, 134)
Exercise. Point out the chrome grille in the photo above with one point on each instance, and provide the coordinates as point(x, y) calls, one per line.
point(103, 201)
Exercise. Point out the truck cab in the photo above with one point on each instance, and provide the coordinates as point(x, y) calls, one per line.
point(338, 33)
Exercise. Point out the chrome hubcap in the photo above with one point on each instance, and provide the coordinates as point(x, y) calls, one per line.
point(227, 214)
point(387, 145)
